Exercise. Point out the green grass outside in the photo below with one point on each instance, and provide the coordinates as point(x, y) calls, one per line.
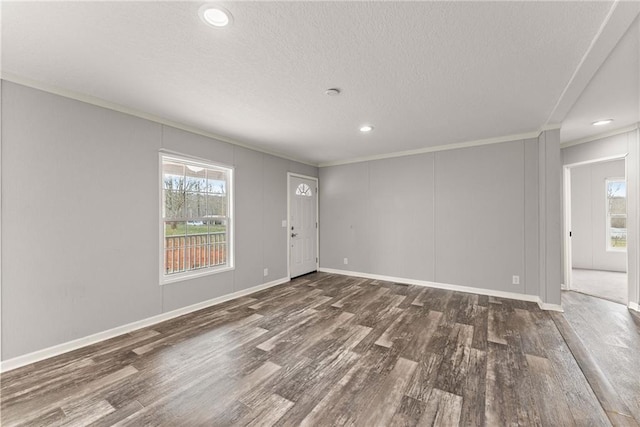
point(193, 229)
point(618, 243)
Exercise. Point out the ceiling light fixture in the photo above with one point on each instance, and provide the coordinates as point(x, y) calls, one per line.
point(334, 91)
point(602, 122)
point(366, 128)
point(215, 16)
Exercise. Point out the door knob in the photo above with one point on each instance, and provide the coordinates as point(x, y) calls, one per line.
point(294, 234)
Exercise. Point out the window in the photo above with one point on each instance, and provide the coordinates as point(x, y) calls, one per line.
point(196, 218)
point(303, 190)
point(616, 214)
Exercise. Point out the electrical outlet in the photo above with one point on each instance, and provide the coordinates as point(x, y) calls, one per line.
point(346, 261)
point(266, 272)
point(516, 280)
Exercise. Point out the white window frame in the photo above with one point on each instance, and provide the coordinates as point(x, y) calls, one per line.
point(191, 274)
point(608, 216)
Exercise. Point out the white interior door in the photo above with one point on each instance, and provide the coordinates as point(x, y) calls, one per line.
point(303, 225)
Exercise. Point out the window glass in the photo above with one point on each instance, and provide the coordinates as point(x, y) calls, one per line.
point(196, 216)
point(616, 225)
point(303, 190)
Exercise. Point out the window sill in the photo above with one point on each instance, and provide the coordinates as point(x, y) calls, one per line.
point(622, 250)
point(165, 280)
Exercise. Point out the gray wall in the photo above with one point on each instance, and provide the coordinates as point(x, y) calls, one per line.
point(627, 145)
point(550, 216)
point(467, 217)
point(80, 219)
point(588, 217)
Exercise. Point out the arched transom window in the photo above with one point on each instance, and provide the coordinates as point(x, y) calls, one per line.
point(303, 190)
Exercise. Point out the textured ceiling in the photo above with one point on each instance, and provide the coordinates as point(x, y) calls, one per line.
point(613, 93)
point(423, 73)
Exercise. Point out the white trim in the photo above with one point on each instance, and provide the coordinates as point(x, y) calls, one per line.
point(161, 239)
point(586, 55)
point(99, 102)
point(193, 274)
point(450, 287)
point(566, 241)
point(608, 134)
point(317, 196)
point(92, 100)
point(1, 85)
point(550, 307)
point(36, 356)
point(607, 213)
point(597, 160)
point(88, 99)
point(553, 126)
point(566, 212)
point(634, 306)
point(445, 147)
point(203, 161)
point(231, 247)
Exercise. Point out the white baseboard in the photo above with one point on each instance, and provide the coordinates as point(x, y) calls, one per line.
point(36, 356)
point(459, 288)
point(634, 306)
point(549, 307)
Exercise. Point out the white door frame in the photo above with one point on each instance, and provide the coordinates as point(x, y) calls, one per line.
point(566, 213)
point(312, 178)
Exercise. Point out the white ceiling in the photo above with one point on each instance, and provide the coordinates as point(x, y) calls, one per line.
point(424, 74)
point(614, 92)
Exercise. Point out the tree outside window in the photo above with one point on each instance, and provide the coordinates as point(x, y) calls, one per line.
point(196, 217)
point(616, 214)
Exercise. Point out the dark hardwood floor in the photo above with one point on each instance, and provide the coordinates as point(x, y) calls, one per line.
point(604, 337)
point(321, 350)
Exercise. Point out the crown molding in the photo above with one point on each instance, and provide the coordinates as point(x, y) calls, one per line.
point(444, 147)
point(598, 136)
point(552, 126)
point(615, 24)
point(99, 102)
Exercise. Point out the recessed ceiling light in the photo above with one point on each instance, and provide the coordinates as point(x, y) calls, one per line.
point(334, 91)
point(215, 16)
point(602, 122)
point(366, 128)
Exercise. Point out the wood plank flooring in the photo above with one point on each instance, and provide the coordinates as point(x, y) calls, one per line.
point(321, 350)
point(604, 337)
point(609, 285)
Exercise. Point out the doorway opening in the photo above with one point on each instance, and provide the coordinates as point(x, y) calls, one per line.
point(595, 215)
point(302, 224)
